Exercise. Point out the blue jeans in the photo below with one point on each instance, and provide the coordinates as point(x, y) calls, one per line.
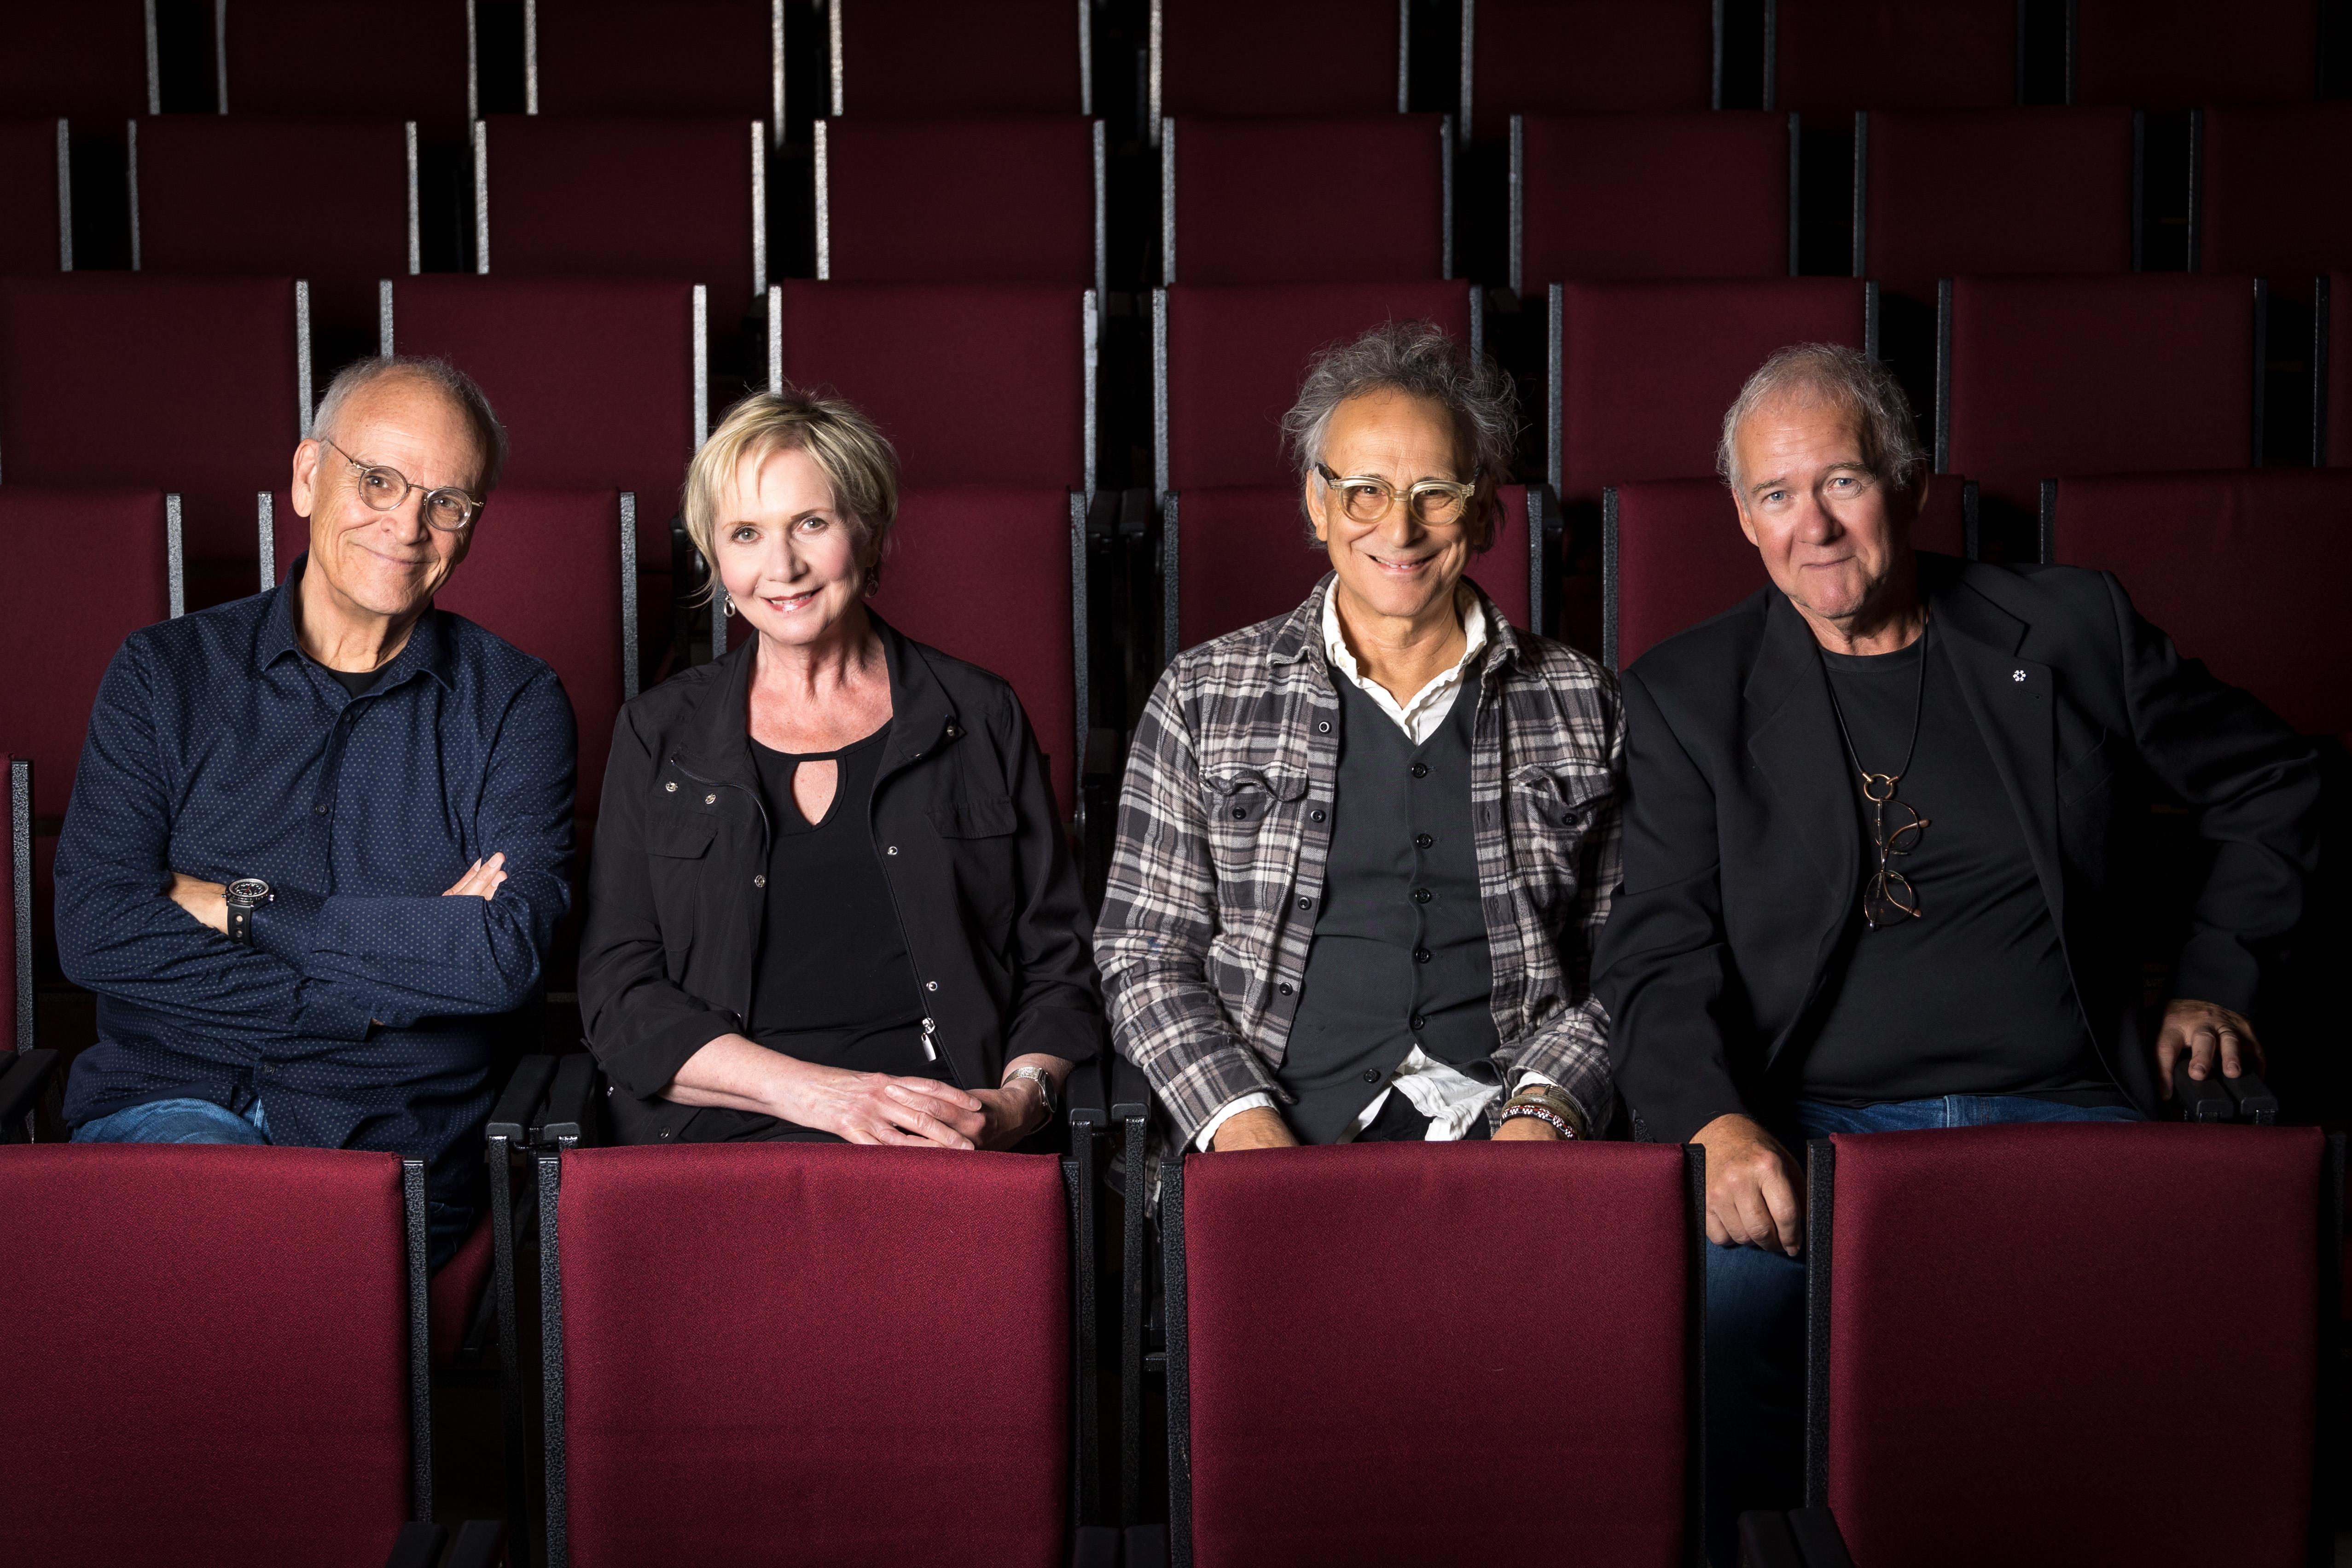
point(202, 1121)
point(1756, 1320)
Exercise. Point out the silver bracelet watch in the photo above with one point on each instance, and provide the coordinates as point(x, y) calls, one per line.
point(1045, 1081)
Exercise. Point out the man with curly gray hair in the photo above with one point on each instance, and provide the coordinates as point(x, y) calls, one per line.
point(1364, 847)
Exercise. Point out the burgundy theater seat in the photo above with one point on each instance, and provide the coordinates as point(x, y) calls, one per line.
point(1584, 57)
point(952, 56)
point(987, 199)
point(2043, 377)
point(304, 56)
point(230, 1359)
point(454, 1293)
point(2272, 185)
point(1231, 208)
point(1993, 191)
point(1276, 56)
point(1642, 371)
point(975, 384)
point(682, 56)
point(35, 198)
point(1834, 57)
point(774, 1397)
point(210, 196)
point(1311, 1292)
point(649, 198)
point(1229, 360)
point(1672, 555)
point(1997, 1314)
point(212, 413)
point(1235, 557)
point(86, 59)
point(2245, 571)
point(2176, 54)
point(1650, 195)
point(2333, 379)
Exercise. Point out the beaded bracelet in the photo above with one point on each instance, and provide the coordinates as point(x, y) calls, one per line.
point(1540, 1113)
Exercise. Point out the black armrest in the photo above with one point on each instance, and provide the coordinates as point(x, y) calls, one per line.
point(21, 1085)
point(1130, 1091)
point(418, 1546)
point(1083, 1099)
point(569, 1111)
point(1765, 1541)
point(526, 1088)
point(1095, 1546)
point(2255, 1101)
point(2202, 1100)
point(1818, 1539)
point(1146, 1546)
point(476, 1544)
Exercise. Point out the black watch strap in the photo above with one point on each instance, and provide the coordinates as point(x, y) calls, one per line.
point(240, 925)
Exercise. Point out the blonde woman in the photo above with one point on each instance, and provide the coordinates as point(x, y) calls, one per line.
point(830, 897)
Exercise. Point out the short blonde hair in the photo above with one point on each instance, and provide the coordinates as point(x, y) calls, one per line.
point(856, 459)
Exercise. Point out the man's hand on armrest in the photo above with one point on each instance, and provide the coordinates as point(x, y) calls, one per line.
point(1752, 1196)
point(2211, 1035)
point(1257, 1128)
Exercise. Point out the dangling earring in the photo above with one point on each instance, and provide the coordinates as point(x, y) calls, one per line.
point(726, 603)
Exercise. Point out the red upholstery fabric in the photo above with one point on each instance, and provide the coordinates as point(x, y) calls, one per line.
point(1587, 56)
point(592, 377)
point(1245, 555)
point(216, 417)
point(2006, 1311)
point(29, 196)
point(1997, 189)
point(1682, 558)
point(1654, 195)
point(2198, 551)
point(1324, 1287)
point(454, 1293)
point(651, 198)
point(1240, 217)
point(213, 198)
point(2271, 182)
point(2339, 370)
point(1236, 356)
point(1001, 199)
point(1647, 369)
point(788, 1353)
point(2051, 376)
point(221, 1369)
point(975, 384)
point(682, 56)
point(985, 574)
point(2176, 54)
point(1838, 56)
point(1279, 57)
point(952, 56)
point(86, 59)
point(56, 633)
point(302, 57)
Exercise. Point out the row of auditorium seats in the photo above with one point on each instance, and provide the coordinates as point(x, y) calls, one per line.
point(800, 1391)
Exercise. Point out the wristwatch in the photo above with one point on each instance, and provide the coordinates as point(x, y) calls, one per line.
point(1044, 1085)
point(244, 896)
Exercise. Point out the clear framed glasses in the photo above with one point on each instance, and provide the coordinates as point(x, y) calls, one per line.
point(448, 510)
point(1367, 498)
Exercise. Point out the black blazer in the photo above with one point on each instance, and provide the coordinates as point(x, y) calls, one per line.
point(1743, 863)
point(987, 896)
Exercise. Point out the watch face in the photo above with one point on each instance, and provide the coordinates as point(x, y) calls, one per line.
point(248, 891)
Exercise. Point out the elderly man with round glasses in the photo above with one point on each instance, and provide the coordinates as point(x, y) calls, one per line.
point(1365, 847)
point(321, 837)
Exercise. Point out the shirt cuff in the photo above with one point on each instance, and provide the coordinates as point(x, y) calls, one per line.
point(1226, 1112)
point(287, 927)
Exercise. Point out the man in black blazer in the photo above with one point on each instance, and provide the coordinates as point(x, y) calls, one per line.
point(1880, 862)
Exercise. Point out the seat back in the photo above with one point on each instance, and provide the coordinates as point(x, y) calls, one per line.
point(682, 56)
point(1312, 1291)
point(2268, 181)
point(2198, 550)
point(1227, 363)
point(1650, 195)
point(1233, 557)
point(297, 56)
point(974, 384)
point(1672, 555)
point(1999, 1377)
point(1231, 210)
point(951, 56)
point(1833, 56)
point(90, 59)
point(985, 199)
point(1584, 57)
point(1993, 191)
point(246, 1373)
point(2045, 377)
point(34, 199)
point(2176, 54)
point(1276, 56)
point(774, 1397)
point(1642, 371)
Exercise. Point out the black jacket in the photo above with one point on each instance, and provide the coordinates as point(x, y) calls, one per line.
point(963, 817)
point(1743, 866)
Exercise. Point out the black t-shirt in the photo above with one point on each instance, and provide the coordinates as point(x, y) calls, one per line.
point(1973, 996)
point(358, 682)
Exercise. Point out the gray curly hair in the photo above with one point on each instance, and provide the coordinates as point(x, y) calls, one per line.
point(1420, 359)
point(1840, 377)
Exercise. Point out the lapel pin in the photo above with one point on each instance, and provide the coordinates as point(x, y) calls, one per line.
point(2017, 675)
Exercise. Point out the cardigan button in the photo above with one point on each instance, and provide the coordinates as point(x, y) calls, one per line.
point(671, 786)
point(711, 800)
point(892, 850)
point(760, 881)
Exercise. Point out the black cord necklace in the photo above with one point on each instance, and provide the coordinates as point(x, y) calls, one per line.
point(1886, 897)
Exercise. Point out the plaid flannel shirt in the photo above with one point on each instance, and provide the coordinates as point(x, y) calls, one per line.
point(1219, 866)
